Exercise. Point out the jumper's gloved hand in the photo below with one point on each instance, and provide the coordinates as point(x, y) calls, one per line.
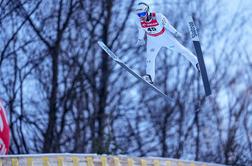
point(178, 35)
point(140, 42)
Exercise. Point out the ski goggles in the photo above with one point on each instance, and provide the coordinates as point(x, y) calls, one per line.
point(142, 14)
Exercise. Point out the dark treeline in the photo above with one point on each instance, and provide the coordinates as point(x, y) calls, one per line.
point(63, 94)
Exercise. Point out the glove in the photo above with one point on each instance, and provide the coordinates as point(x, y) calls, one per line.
point(178, 35)
point(140, 42)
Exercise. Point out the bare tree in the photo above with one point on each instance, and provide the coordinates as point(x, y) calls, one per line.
point(64, 94)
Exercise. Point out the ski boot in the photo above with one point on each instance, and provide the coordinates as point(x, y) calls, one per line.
point(147, 78)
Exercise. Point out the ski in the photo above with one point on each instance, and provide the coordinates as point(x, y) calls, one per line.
point(132, 72)
point(197, 46)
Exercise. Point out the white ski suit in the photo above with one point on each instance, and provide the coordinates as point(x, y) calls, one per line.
point(160, 34)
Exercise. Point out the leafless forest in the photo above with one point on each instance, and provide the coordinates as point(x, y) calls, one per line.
point(63, 94)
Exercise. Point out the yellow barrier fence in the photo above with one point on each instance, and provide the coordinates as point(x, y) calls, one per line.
point(93, 160)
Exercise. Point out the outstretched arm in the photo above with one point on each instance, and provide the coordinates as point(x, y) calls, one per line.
point(141, 33)
point(168, 25)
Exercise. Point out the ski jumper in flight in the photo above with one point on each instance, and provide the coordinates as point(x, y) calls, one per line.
point(160, 33)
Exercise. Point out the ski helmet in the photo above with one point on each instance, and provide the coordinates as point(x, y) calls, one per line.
point(142, 9)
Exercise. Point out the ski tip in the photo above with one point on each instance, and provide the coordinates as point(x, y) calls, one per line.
point(100, 42)
point(192, 29)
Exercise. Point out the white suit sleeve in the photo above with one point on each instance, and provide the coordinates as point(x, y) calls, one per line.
point(141, 32)
point(167, 24)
